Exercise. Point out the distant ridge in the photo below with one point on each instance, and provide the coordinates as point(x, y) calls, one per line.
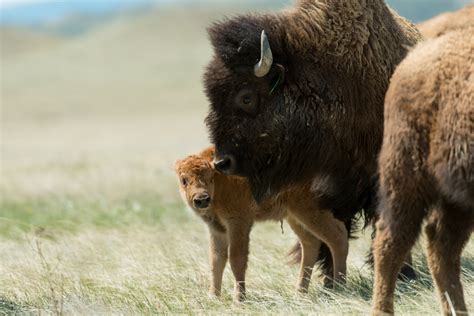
point(41, 13)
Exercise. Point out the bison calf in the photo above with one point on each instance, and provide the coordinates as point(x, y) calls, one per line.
point(226, 204)
point(427, 166)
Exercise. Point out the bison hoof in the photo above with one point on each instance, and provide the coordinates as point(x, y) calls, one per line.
point(407, 273)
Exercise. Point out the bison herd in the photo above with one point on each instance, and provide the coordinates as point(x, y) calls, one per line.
point(330, 110)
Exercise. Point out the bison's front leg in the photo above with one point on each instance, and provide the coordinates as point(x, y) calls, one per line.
point(239, 238)
point(218, 252)
point(331, 231)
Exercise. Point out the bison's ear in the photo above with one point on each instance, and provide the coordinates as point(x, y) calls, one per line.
point(277, 77)
point(237, 41)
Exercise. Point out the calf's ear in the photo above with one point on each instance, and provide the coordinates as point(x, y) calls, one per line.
point(208, 153)
point(177, 164)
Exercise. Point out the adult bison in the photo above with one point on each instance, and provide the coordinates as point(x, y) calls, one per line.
point(427, 166)
point(304, 99)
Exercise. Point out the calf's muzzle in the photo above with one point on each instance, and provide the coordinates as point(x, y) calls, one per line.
point(202, 201)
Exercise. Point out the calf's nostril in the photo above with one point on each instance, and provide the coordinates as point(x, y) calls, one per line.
point(202, 202)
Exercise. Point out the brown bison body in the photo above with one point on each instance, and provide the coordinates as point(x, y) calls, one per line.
point(226, 204)
point(427, 166)
point(447, 22)
point(305, 101)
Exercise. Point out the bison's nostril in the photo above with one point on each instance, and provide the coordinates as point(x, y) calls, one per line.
point(225, 165)
point(202, 201)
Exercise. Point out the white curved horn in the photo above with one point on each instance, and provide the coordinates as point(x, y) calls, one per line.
point(262, 68)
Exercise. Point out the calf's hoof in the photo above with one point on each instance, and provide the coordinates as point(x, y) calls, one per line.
point(302, 290)
point(214, 294)
point(239, 297)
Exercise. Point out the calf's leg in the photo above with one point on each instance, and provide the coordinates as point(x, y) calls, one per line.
point(218, 250)
point(310, 249)
point(448, 231)
point(239, 238)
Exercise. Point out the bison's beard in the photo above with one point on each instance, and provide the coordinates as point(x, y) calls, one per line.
point(278, 171)
point(265, 183)
point(260, 189)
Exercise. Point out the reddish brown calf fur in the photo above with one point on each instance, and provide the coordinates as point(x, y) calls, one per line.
point(226, 204)
point(427, 167)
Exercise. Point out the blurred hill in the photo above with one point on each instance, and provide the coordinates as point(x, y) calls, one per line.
point(120, 66)
point(15, 41)
point(147, 58)
point(38, 13)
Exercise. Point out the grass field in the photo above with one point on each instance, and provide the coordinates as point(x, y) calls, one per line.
point(90, 217)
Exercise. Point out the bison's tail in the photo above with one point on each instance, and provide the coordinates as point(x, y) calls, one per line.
point(369, 204)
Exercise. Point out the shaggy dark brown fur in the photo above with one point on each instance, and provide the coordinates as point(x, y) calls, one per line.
point(226, 204)
point(427, 166)
point(447, 22)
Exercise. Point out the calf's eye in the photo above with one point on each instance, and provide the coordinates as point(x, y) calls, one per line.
point(184, 181)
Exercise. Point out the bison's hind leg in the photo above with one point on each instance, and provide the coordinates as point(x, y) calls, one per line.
point(405, 193)
point(397, 231)
point(455, 177)
point(448, 230)
point(407, 272)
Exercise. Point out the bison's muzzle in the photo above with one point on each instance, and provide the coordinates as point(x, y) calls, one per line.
point(226, 164)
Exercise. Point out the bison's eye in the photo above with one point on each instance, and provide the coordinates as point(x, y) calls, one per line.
point(247, 100)
point(184, 181)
